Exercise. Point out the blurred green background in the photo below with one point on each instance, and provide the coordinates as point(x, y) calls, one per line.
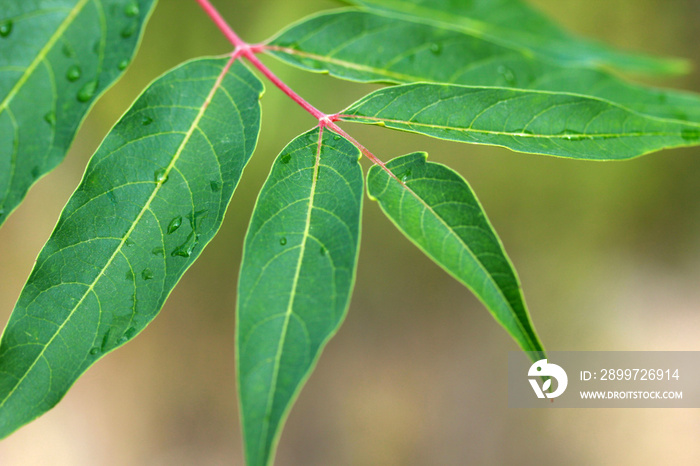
point(608, 253)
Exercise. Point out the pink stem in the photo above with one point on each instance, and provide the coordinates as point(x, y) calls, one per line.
point(250, 55)
point(221, 23)
point(249, 51)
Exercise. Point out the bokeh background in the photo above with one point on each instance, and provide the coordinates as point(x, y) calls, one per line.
point(608, 253)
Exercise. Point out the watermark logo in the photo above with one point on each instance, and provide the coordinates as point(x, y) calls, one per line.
point(542, 368)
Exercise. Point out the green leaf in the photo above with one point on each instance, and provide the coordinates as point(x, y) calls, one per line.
point(515, 24)
point(373, 47)
point(56, 59)
point(296, 278)
point(538, 122)
point(152, 197)
point(437, 210)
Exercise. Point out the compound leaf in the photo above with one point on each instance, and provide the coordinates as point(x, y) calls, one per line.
point(539, 122)
point(56, 59)
point(515, 24)
point(297, 274)
point(374, 47)
point(437, 210)
point(153, 195)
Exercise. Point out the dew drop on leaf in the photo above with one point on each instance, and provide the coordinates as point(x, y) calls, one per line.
point(336, 137)
point(571, 135)
point(508, 75)
point(129, 242)
point(87, 92)
point(94, 350)
point(146, 120)
point(67, 51)
point(161, 176)
point(405, 177)
point(73, 73)
point(283, 241)
point(130, 332)
point(436, 48)
point(147, 274)
point(6, 28)
point(36, 172)
point(129, 275)
point(322, 251)
point(123, 64)
point(175, 224)
point(50, 117)
point(215, 186)
point(158, 251)
point(286, 158)
point(131, 10)
point(690, 134)
point(129, 30)
point(185, 250)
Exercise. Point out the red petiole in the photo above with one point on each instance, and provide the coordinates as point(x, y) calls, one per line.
point(243, 49)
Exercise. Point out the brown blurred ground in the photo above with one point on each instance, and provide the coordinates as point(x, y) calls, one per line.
point(609, 256)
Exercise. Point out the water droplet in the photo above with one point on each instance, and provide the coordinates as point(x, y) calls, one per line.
point(283, 241)
point(158, 251)
point(73, 73)
point(147, 274)
point(690, 134)
point(123, 64)
point(146, 120)
point(175, 224)
point(129, 275)
point(50, 117)
point(94, 350)
point(6, 28)
point(129, 242)
point(112, 197)
point(322, 251)
point(129, 30)
point(36, 172)
point(186, 248)
point(132, 9)
point(436, 48)
point(2, 212)
point(336, 137)
point(196, 218)
point(161, 176)
point(508, 75)
point(571, 135)
point(285, 159)
point(405, 177)
point(87, 91)
point(215, 186)
point(130, 332)
point(67, 51)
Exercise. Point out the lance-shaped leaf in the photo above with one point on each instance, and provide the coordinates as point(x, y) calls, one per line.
point(437, 210)
point(516, 24)
point(297, 274)
point(374, 47)
point(56, 59)
point(152, 197)
point(539, 122)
